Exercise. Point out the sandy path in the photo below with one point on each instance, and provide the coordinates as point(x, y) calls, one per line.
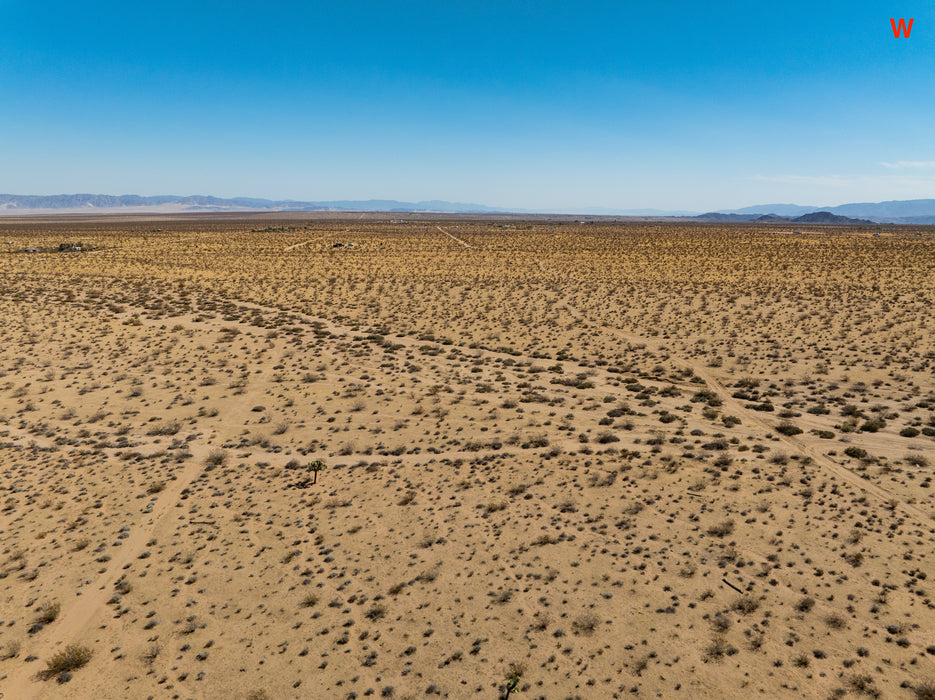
point(160, 242)
point(730, 404)
point(735, 406)
point(78, 615)
point(454, 238)
point(569, 366)
point(753, 417)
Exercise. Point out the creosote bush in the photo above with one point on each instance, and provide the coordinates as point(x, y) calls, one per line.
point(72, 657)
point(856, 452)
point(216, 458)
point(722, 529)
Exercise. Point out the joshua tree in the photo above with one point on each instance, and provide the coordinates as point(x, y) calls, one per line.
point(513, 678)
point(316, 467)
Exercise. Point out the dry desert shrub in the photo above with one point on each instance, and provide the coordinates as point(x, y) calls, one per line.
point(863, 684)
point(586, 624)
point(722, 529)
point(804, 605)
point(72, 657)
point(745, 605)
point(169, 428)
point(718, 649)
point(216, 458)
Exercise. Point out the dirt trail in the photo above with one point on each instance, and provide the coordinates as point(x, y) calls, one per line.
point(77, 616)
point(201, 236)
point(753, 417)
point(736, 407)
point(187, 321)
point(406, 341)
point(454, 238)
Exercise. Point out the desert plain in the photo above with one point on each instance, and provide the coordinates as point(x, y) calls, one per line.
point(288, 456)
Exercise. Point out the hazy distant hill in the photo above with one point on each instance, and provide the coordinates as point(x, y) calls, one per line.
point(910, 211)
point(15, 203)
point(915, 211)
point(817, 217)
point(826, 217)
point(71, 203)
point(719, 216)
point(777, 209)
point(905, 209)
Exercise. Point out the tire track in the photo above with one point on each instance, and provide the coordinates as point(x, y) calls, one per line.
point(454, 238)
point(753, 417)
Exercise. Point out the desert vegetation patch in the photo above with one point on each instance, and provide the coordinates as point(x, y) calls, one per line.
point(345, 458)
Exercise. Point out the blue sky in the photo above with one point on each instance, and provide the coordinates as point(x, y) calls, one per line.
point(528, 104)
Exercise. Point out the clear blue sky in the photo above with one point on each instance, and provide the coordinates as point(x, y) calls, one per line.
point(533, 104)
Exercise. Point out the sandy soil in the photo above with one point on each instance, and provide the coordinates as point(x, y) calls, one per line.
point(587, 461)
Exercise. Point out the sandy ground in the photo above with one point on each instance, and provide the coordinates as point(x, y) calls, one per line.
point(604, 461)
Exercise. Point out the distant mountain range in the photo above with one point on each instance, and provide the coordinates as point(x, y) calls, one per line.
point(910, 211)
point(105, 203)
point(913, 211)
point(816, 217)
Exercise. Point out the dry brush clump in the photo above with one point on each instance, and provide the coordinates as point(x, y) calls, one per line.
point(71, 658)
